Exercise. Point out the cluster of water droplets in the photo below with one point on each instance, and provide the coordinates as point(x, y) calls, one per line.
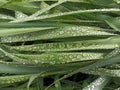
point(13, 79)
point(59, 58)
point(100, 46)
point(98, 84)
point(50, 47)
point(67, 31)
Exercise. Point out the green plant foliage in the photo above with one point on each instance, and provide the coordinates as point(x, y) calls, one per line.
point(57, 39)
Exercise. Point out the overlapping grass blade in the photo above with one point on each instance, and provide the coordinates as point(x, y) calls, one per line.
point(109, 43)
point(14, 31)
point(69, 13)
point(59, 58)
point(98, 84)
point(7, 80)
point(61, 32)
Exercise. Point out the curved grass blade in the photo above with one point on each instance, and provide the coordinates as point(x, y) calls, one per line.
point(111, 21)
point(22, 69)
point(14, 31)
point(62, 32)
point(105, 72)
point(47, 9)
point(19, 6)
point(31, 79)
point(8, 80)
point(98, 84)
point(69, 13)
point(6, 17)
point(58, 58)
point(31, 24)
point(110, 43)
point(58, 84)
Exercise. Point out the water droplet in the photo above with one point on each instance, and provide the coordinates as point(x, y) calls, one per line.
point(36, 61)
